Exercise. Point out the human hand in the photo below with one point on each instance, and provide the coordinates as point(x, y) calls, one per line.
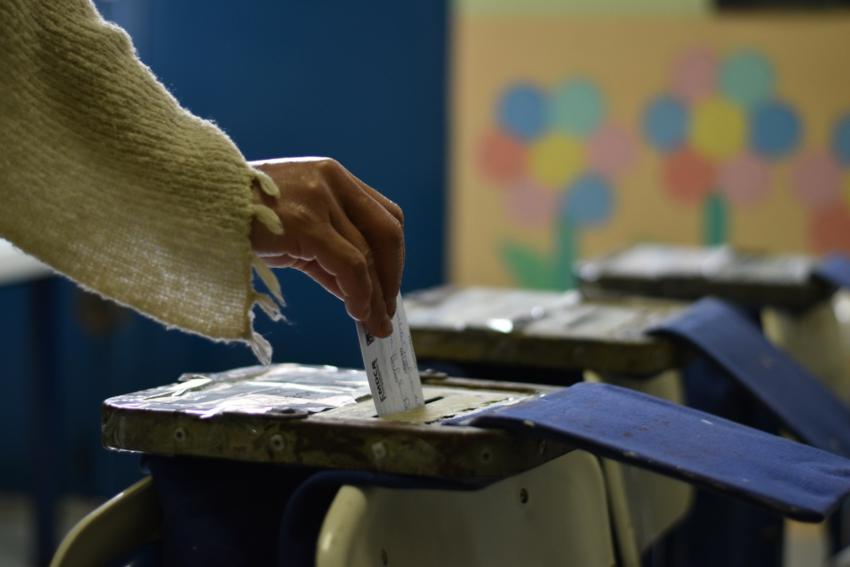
point(342, 233)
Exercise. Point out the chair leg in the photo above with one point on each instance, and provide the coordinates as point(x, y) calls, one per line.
point(114, 530)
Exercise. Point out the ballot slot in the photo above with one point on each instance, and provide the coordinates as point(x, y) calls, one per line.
point(442, 403)
point(391, 366)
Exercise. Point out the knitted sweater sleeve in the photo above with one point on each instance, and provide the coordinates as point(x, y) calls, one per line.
point(107, 179)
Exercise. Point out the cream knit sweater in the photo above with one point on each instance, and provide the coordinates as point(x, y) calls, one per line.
point(107, 179)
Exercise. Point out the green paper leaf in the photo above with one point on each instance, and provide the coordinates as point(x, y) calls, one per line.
point(529, 268)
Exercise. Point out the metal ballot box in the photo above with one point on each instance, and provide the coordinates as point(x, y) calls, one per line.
point(689, 273)
point(793, 293)
point(541, 329)
point(629, 342)
point(322, 416)
point(519, 483)
point(579, 339)
point(546, 504)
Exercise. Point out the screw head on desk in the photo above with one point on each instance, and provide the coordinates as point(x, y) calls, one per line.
point(180, 435)
point(486, 455)
point(277, 443)
point(541, 447)
point(379, 451)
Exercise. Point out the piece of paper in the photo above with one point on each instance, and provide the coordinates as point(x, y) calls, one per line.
point(390, 364)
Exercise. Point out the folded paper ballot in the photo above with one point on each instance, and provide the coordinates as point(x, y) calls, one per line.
point(390, 364)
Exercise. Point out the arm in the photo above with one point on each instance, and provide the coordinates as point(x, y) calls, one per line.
point(107, 179)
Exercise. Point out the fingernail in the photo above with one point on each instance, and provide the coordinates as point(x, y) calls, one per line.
point(391, 307)
point(363, 316)
point(387, 326)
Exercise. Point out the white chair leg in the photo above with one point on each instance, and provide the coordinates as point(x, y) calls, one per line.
point(643, 504)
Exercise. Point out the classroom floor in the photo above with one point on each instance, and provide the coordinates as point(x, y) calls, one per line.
point(15, 520)
point(806, 543)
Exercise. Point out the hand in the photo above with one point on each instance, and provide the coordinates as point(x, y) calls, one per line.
point(342, 233)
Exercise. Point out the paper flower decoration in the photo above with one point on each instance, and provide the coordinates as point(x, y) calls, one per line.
point(555, 158)
point(816, 180)
point(719, 129)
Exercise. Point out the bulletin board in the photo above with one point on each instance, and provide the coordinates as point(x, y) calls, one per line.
point(574, 134)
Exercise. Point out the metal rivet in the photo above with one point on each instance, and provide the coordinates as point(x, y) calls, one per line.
point(523, 495)
point(277, 443)
point(379, 450)
point(179, 434)
point(486, 456)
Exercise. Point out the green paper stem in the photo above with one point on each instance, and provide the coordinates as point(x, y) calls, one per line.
point(529, 268)
point(715, 220)
point(565, 254)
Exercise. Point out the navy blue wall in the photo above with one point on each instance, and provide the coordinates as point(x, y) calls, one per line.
point(361, 82)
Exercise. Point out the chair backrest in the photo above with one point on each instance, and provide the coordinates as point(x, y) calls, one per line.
point(816, 340)
point(553, 515)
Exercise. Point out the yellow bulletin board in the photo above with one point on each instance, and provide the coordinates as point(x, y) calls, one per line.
point(576, 133)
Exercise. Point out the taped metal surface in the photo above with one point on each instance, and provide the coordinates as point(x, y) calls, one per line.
point(692, 272)
point(305, 415)
point(280, 388)
point(483, 308)
point(542, 329)
point(656, 261)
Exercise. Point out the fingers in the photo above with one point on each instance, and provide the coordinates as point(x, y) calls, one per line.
point(378, 323)
point(348, 266)
point(309, 267)
point(323, 278)
point(386, 240)
point(389, 205)
point(384, 234)
point(383, 229)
